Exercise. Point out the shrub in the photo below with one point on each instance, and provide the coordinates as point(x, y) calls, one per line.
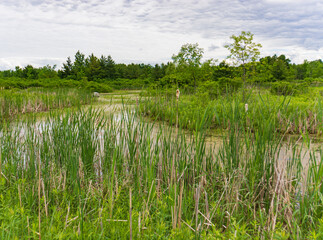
point(288, 88)
point(20, 83)
point(229, 84)
point(212, 89)
point(129, 84)
point(98, 87)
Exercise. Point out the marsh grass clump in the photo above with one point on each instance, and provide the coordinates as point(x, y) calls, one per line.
point(291, 114)
point(14, 102)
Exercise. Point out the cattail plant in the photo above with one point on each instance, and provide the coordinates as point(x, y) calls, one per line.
point(117, 175)
point(246, 107)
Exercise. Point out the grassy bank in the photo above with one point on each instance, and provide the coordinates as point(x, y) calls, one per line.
point(14, 101)
point(54, 83)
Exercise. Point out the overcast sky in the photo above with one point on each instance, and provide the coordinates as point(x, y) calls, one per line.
point(150, 31)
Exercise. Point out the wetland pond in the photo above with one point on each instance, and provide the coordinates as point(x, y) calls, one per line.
point(120, 111)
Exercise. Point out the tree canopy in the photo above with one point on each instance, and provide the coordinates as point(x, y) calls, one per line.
point(189, 59)
point(243, 50)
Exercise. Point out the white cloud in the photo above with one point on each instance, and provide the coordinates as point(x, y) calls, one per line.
point(11, 63)
point(151, 31)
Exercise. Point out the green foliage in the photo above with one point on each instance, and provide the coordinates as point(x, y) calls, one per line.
point(97, 87)
point(175, 79)
point(190, 55)
point(301, 112)
point(229, 85)
point(186, 71)
point(288, 88)
point(47, 72)
point(314, 69)
point(108, 69)
point(210, 89)
point(213, 89)
point(129, 84)
point(92, 67)
point(15, 101)
point(280, 70)
point(21, 83)
point(243, 49)
point(18, 83)
point(189, 60)
point(224, 70)
point(183, 185)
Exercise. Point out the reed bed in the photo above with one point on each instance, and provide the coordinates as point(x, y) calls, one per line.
point(14, 102)
point(86, 175)
point(291, 115)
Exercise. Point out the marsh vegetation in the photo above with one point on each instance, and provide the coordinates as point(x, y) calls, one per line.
point(73, 175)
point(235, 153)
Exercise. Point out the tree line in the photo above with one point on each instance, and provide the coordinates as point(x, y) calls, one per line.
point(186, 69)
point(92, 68)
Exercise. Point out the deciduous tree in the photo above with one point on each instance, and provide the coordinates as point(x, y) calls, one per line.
point(242, 51)
point(189, 59)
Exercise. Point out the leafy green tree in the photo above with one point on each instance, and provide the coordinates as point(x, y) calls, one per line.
point(207, 70)
point(189, 60)
point(280, 70)
point(315, 69)
point(132, 71)
point(242, 51)
point(300, 70)
point(264, 70)
point(92, 68)
point(108, 69)
point(273, 68)
point(74, 70)
point(7, 73)
point(158, 72)
point(47, 72)
point(79, 65)
point(30, 72)
point(223, 70)
point(18, 72)
point(67, 70)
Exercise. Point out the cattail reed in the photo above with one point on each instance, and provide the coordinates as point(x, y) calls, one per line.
point(118, 175)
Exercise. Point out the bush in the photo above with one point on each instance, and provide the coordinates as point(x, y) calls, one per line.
point(229, 84)
point(20, 83)
point(98, 87)
point(128, 84)
point(288, 88)
point(212, 89)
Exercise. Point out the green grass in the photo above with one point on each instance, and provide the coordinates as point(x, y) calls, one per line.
point(292, 114)
point(15, 102)
point(53, 83)
point(69, 177)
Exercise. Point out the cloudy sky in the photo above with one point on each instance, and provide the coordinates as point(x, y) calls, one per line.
point(151, 31)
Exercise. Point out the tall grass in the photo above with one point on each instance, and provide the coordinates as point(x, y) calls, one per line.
point(181, 186)
point(292, 114)
point(14, 102)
